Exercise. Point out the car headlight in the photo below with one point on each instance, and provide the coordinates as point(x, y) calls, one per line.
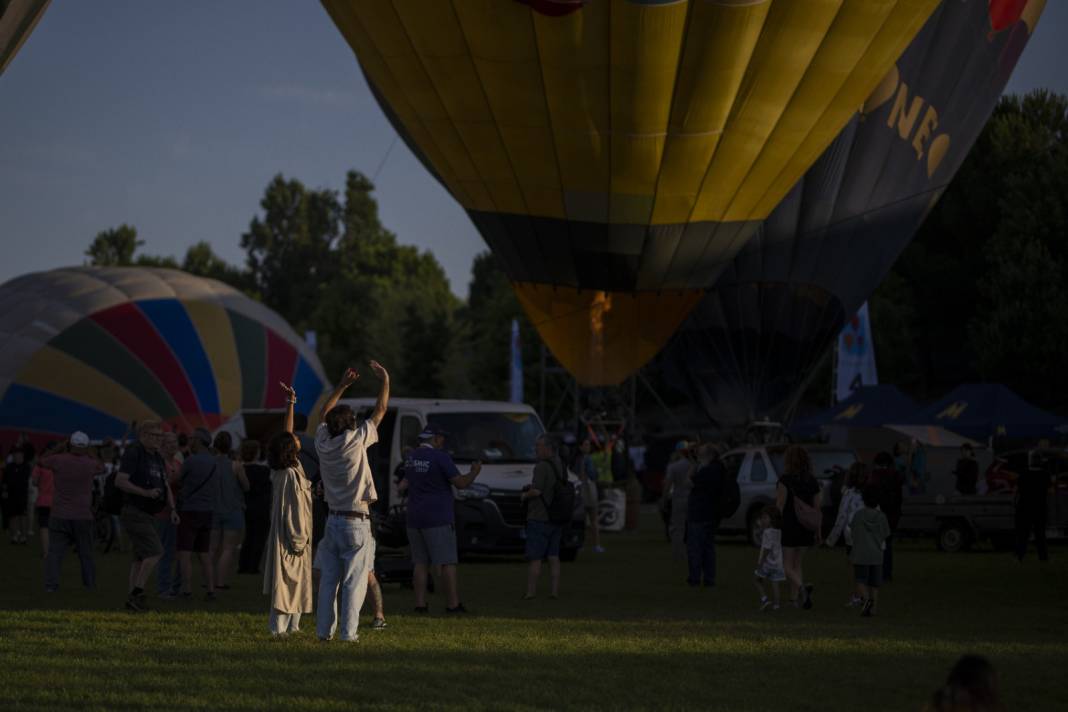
point(475, 491)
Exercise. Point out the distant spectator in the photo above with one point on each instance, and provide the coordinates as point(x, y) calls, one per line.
point(70, 523)
point(183, 446)
point(677, 482)
point(1032, 492)
point(543, 535)
point(584, 468)
point(870, 530)
point(966, 471)
point(287, 575)
point(168, 575)
point(15, 492)
point(702, 516)
point(142, 477)
point(346, 554)
point(972, 686)
point(918, 476)
point(228, 526)
point(769, 561)
point(309, 460)
point(198, 494)
point(428, 479)
point(852, 502)
point(42, 479)
point(798, 492)
point(890, 482)
point(257, 508)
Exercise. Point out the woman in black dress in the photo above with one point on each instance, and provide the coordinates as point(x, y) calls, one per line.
point(798, 481)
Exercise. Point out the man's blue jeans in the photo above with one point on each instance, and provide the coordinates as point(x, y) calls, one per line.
point(345, 556)
point(701, 552)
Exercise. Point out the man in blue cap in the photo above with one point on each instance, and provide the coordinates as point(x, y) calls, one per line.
point(429, 476)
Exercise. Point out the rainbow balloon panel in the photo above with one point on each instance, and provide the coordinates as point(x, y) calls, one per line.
point(93, 348)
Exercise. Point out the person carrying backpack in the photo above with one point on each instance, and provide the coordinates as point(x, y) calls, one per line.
point(550, 501)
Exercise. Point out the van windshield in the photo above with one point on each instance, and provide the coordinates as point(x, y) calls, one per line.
point(490, 437)
point(824, 462)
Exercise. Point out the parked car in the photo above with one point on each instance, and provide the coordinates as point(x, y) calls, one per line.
point(959, 521)
point(757, 469)
point(490, 516)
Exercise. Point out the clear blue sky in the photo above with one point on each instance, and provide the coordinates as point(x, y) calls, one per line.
point(173, 116)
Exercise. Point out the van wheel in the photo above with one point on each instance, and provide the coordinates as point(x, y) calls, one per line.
point(753, 527)
point(568, 554)
point(952, 537)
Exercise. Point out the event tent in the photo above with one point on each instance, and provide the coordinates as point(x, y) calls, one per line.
point(984, 410)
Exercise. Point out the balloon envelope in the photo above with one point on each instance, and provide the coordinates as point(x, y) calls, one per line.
point(93, 348)
point(17, 20)
point(615, 154)
point(751, 345)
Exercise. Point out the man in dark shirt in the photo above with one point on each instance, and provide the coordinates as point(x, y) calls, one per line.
point(142, 477)
point(1032, 489)
point(967, 470)
point(702, 517)
point(429, 476)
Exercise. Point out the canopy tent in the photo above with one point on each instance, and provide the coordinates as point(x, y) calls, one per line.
point(868, 407)
point(933, 436)
point(984, 410)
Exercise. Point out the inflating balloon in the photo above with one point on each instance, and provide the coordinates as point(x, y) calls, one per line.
point(750, 347)
point(93, 348)
point(615, 154)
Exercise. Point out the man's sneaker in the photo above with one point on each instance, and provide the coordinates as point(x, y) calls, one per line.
point(378, 624)
point(133, 603)
point(166, 595)
point(765, 605)
point(866, 611)
point(807, 602)
point(210, 596)
point(598, 549)
point(422, 610)
point(459, 610)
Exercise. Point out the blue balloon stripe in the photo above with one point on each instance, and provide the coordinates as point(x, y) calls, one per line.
point(307, 385)
point(174, 325)
point(26, 408)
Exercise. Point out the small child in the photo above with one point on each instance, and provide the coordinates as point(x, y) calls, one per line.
point(769, 561)
point(870, 529)
point(851, 503)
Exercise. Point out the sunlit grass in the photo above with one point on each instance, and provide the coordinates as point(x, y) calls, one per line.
point(626, 633)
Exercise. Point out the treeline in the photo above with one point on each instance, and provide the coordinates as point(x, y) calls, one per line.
point(324, 261)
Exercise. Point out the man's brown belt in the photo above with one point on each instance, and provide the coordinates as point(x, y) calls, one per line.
point(352, 515)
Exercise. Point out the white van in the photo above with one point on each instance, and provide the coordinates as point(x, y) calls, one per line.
point(489, 515)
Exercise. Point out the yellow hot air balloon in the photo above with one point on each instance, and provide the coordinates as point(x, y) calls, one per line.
point(615, 154)
point(17, 20)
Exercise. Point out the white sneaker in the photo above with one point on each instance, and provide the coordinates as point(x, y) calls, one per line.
point(765, 604)
point(598, 549)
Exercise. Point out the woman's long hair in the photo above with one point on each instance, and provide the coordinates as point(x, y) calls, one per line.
point(797, 462)
point(282, 451)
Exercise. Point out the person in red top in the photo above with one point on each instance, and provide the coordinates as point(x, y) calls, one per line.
point(71, 519)
point(42, 480)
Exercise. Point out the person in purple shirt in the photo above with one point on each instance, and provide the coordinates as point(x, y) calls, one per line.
point(429, 476)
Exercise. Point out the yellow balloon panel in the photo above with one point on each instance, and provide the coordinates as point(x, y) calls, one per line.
point(602, 337)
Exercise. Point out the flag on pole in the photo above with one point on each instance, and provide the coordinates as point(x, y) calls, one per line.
point(856, 356)
point(516, 381)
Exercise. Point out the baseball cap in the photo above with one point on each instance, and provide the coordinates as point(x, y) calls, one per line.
point(79, 439)
point(431, 431)
point(203, 436)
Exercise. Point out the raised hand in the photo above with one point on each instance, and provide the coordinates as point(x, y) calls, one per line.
point(378, 370)
point(291, 394)
point(350, 376)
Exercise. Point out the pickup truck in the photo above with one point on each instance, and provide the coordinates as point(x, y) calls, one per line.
point(958, 521)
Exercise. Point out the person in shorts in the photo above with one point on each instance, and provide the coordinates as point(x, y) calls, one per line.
point(543, 535)
point(198, 495)
point(228, 527)
point(142, 478)
point(769, 561)
point(429, 476)
point(870, 528)
point(42, 479)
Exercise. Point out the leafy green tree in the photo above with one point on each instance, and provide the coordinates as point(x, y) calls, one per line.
point(201, 260)
point(114, 247)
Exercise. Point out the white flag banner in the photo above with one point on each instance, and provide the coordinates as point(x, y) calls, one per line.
point(856, 356)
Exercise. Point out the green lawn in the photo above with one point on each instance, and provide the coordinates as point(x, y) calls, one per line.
point(627, 633)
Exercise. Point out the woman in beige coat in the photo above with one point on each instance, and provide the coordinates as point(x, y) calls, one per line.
point(287, 577)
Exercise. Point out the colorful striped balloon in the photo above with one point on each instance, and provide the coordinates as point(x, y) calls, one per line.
point(91, 349)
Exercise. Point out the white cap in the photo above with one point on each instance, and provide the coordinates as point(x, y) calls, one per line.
point(79, 439)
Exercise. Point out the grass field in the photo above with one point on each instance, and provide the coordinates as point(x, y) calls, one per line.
point(626, 633)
